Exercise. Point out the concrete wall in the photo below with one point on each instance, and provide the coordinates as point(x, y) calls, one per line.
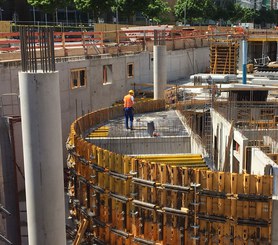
point(221, 129)
point(150, 145)
point(96, 95)
point(259, 161)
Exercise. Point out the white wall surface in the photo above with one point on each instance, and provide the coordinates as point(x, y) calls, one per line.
point(259, 161)
point(75, 102)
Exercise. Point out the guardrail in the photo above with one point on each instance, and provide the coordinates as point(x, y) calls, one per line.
point(11, 41)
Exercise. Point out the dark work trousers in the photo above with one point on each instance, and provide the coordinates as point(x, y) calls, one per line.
point(129, 115)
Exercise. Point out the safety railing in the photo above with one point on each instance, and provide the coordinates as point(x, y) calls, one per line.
point(11, 41)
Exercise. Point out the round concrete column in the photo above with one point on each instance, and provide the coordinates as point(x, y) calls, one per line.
point(43, 159)
point(159, 71)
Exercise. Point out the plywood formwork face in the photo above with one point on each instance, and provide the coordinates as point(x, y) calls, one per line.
point(137, 201)
point(224, 56)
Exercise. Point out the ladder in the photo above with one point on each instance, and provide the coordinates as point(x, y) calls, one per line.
point(81, 231)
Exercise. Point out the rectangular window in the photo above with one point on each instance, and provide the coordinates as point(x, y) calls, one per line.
point(107, 74)
point(78, 78)
point(130, 70)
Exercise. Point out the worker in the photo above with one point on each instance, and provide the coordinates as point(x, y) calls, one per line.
point(128, 108)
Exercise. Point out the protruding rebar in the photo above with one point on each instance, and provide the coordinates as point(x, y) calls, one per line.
point(37, 47)
point(159, 37)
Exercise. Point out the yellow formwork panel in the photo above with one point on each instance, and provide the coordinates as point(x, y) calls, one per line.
point(106, 159)
point(118, 163)
point(106, 181)
point(215, 182)
point(227, 207)
point(233, 206)
point(239, 208)
point(240, 183)
point(128, 217)
point(253, 183)
point(215, 206)
point(221, 207)
point(245, 205)
point(127, 164)
point(267, 185)
point(221, 181)
point(246, 183)
point(94, 154)
point(100, 178)
point(172, 156)
point(252, 210)
point(209, 180)
point(111, 161)
point(100, 157)
point(127, 187)
point(112, 184)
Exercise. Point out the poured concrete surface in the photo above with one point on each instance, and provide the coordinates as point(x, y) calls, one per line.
point(170, 136)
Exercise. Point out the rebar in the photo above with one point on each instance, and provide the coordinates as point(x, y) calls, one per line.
point(159, 37)
point(37, 46)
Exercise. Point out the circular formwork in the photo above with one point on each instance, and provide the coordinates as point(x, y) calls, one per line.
point(120, 199)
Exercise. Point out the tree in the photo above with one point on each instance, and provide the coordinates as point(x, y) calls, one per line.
point(48, 6)
point(129, 8)
point(249, 15)
point(156, 10)
point(202, 9)
point(98, 7)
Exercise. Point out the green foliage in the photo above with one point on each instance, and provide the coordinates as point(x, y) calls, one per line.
point(156, 10)
point(98, 7)
point(128, 8)
point(48, 6)
point(201, 10)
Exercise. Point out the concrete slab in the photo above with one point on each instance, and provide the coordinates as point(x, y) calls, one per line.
point(169, 137)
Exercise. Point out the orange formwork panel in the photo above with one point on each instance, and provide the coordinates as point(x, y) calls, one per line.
point(233, 208)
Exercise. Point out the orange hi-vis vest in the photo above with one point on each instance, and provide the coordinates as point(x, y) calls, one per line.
point(128, 101)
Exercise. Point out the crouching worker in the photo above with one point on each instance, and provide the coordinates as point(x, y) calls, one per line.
point(128, 103)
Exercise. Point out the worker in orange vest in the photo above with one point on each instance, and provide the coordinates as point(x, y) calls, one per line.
point(128, 108)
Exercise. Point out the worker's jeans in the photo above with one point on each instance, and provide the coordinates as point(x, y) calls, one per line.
point(128, 115)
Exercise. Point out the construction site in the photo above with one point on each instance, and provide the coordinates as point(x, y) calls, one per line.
point(199, 166)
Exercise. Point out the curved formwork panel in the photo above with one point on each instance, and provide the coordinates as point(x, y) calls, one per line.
point(127, 200)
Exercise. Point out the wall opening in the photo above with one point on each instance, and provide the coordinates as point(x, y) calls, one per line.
point(78, 78)
point(107, 74)
point(130, 70)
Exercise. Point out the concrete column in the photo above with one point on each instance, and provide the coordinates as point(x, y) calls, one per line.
point(244, 61)
point(43, 160)
point(159, 71)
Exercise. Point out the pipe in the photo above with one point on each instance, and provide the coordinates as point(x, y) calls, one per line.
point(244, 61)
point(176, 188)
point(147, 183)
point(120, 233)
point(145, 205)
point(174, 211)
point(119, 197)
point(143, 241)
